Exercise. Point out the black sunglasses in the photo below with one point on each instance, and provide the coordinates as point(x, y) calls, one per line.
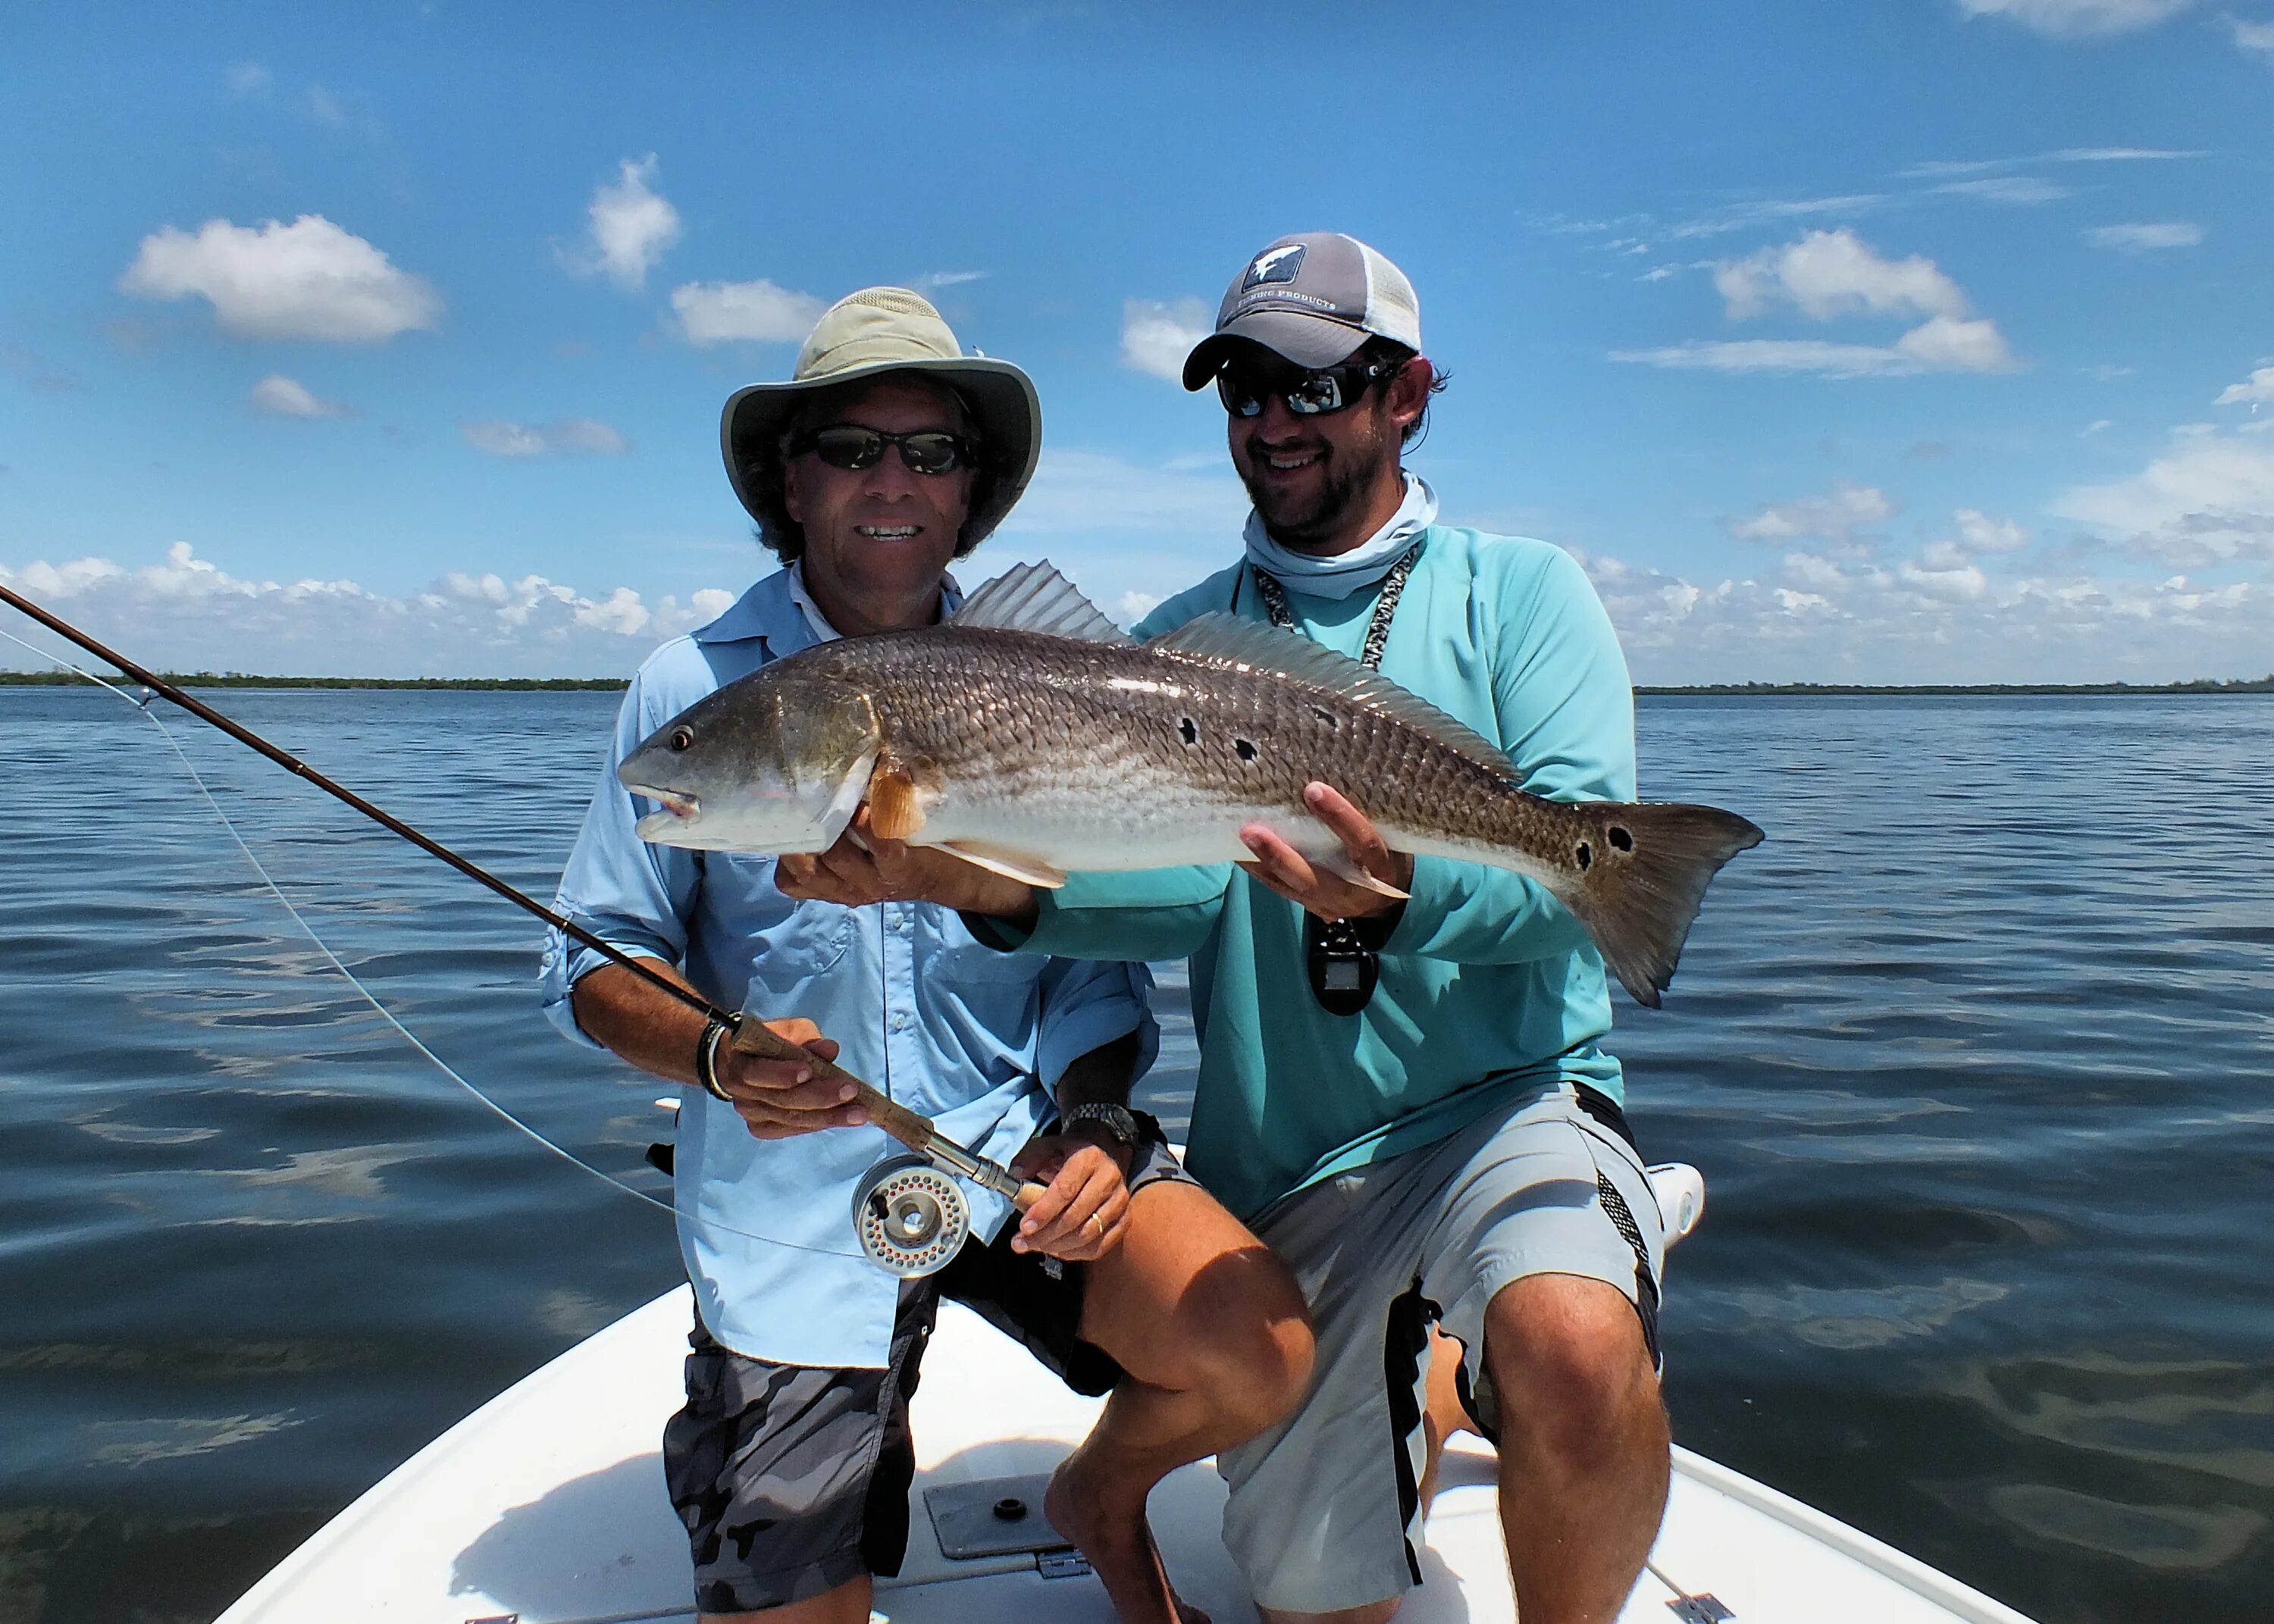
point(848, 445)
point(1314, 394)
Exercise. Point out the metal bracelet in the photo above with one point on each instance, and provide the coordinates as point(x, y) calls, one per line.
point(706, 1060)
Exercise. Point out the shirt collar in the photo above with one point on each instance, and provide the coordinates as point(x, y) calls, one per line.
point(780, 611)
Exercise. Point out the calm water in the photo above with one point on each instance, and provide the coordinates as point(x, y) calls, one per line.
point(1976, 1052)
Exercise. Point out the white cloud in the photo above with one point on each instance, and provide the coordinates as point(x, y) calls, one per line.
point(947, 279)
point(2078, 17)
point(1938, 619)
point(2254, 36)
point(307, 280)
point(2210, 500)
point(1738, 217)
point(1957, 582)
point(2009, 189)
point(2143, 236)
point(326, 108)
point(630, 226)
point(726, 312)
point(1157, 337)
point(246, 79)
point(1978, 532)
point(1973, 346)
point(1947, 344)
point(2256, 390)
point(1833, 274)
point(288, 397)
point(500, 437)
point(1934, 168)
point(187, 613)
point(1829, 274)
point(1834, 516)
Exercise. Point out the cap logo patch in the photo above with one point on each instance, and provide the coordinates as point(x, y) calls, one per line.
point(1273, 264)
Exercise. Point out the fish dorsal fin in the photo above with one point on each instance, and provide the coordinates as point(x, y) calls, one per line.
point(1035, 597)
point(1218, 635)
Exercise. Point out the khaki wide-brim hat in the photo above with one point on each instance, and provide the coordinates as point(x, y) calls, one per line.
point(881, 330)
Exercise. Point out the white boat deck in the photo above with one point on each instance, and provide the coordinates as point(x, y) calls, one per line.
point(546, 1506)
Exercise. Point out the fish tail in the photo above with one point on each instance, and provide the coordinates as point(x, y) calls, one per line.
point(1639, 887)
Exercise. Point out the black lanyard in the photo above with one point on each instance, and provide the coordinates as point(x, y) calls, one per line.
point(1343, 956)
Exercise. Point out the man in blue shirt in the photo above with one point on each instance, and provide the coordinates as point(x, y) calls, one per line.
point(1403, 1090)
point(887, 456)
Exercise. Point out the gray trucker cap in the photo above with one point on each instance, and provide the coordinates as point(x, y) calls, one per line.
point(1313, 297)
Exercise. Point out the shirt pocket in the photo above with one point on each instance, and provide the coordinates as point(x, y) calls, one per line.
point(791, 942)
point(964, 960)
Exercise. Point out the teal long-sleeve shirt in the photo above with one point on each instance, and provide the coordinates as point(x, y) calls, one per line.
point(1488, 985)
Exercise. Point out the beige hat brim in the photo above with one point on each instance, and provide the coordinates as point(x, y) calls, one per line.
point(1002, 399)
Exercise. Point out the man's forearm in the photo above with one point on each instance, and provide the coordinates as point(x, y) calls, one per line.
point(1101, 1077)
point(640, 1022)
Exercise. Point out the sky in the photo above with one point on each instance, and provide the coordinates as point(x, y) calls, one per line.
point(1895, 341)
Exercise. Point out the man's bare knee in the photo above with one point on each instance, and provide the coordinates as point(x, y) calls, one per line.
point(1193, 1302)
point(1247, 1335)
point(1570, 1370)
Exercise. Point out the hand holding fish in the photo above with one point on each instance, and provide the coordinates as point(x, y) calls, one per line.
point(1084, 1213)
point(781, 1099)
point(862, 867)
point(1285, 870)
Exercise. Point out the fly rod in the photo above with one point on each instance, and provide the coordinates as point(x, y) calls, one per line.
point(751, 1036)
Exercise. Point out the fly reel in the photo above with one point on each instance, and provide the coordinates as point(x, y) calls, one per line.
point(911, 1216)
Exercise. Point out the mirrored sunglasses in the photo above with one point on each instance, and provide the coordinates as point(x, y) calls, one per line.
point(1306, 394)
point(849, 446)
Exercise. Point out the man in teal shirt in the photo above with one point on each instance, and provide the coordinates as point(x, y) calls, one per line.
point(1404, 1094)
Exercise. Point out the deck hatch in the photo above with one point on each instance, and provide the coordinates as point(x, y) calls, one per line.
point(992, 1517)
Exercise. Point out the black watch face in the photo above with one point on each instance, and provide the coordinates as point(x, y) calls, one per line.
point(1342, 973)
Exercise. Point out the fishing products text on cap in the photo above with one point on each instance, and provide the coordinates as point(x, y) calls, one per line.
point(1313, 297)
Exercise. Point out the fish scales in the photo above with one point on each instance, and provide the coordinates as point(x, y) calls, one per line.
point(1044, 732)
point(1040, 754)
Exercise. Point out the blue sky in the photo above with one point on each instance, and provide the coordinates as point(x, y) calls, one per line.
point(1895, 340)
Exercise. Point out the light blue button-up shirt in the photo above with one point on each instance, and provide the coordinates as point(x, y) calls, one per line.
point(942, 1023)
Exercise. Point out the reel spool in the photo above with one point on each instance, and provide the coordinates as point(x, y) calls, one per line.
point(911, 1216)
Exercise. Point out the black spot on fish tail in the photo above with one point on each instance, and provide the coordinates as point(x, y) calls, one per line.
point(1586, 856)
point(1332, 721)
point(1246, 750)
point(1639, 904)
point(1189, 730)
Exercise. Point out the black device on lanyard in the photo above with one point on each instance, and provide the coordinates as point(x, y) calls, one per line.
point(1343, 957)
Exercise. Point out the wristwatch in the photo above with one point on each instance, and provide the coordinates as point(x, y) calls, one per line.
point(1115, 1119)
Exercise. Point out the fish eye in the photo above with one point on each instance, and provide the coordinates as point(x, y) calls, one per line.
point(680, 737)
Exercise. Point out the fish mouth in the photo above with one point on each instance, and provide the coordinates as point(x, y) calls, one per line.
point(678, 807)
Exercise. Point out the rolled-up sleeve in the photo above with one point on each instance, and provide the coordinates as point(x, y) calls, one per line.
point(633, 896)
point(1088, 1005)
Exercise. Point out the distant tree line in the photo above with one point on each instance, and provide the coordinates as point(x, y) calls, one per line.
point(237, 679)
point(2201, 685)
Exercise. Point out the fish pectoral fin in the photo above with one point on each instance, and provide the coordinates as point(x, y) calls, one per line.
point(894, 812)
point(842, 805)
point(1338, 863)
point(1012, 865)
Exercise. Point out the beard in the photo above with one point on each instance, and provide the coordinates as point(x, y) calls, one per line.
point(1306, 519)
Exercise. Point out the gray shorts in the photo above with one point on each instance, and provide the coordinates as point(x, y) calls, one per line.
point(794, 1479)
point(1323, 1504)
